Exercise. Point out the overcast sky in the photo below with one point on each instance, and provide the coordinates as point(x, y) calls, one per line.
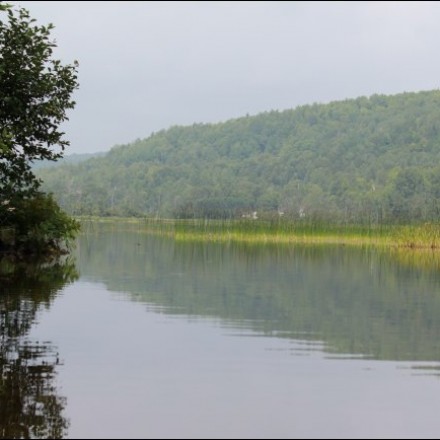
point(145, 66)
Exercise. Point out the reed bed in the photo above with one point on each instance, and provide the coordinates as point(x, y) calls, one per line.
point(426, 236)
point(423, 236)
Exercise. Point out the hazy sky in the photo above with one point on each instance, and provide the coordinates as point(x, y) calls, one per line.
point(145, 66)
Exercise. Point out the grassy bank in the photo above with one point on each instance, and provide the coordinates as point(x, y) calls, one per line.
point(426, 236)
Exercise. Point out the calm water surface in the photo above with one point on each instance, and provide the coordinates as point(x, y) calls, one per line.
point(142, 337)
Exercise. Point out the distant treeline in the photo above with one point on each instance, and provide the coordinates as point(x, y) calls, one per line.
point(70, 159)
point(366, 160)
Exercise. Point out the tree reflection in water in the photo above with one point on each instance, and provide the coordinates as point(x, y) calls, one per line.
point(29, 404)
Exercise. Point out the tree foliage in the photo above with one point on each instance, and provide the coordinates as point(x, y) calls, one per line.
point(35, 94)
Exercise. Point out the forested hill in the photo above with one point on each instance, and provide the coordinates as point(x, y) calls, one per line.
point(370, 159)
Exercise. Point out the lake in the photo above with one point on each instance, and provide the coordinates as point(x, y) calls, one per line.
point(141, 336)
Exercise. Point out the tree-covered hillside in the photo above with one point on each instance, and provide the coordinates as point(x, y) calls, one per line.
point(373, 159)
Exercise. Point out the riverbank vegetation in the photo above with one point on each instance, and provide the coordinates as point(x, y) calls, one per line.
point(281, 231)
point(35, 94)
point(35, 226)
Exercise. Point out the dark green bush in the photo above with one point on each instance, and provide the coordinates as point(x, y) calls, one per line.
point(35, 225)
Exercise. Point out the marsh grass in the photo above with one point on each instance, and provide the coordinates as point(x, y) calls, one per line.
point(426, 236)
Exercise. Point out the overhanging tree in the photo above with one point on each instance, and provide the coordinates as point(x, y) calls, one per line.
point(35, 94)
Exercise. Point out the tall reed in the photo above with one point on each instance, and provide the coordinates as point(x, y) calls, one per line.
point(424, 236)
point(286, 231)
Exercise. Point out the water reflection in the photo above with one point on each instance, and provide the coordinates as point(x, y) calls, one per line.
point(352, 302)
point(30, 406)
